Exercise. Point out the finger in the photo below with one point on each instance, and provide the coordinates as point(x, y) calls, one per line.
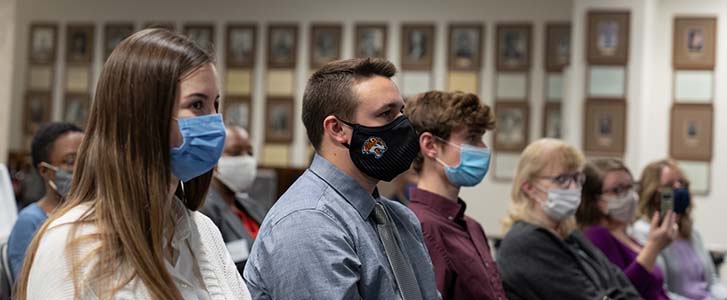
point(668, 221)
point(655, 220)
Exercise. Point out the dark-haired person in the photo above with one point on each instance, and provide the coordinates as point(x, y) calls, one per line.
point(331, 235)
point(608, 206)
point(451, 128)
point(688, 268)
point(53, 151)
point(129, 228)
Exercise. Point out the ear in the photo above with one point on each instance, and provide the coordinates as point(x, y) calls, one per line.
point(527, 189)
point(335, 129)
point(45, 172)
point(427, 145)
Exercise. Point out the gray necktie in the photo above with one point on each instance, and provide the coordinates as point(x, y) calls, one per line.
point(401, 267)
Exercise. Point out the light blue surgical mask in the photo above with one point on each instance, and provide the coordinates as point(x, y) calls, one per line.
point(473, 165)
point(203, 139)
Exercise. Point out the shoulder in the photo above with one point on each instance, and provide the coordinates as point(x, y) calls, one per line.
point(598, 234)
point(29, 219)
point(306, 193)
point(401, 211)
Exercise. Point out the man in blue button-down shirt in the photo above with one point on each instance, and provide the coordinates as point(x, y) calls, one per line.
point(320, 240)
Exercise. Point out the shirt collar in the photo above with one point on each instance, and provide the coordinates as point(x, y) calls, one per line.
point(440, 205)
point(182, 224)
point(346, 186)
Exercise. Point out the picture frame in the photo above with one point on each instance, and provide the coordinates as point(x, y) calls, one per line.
point(557, 46)
point(241, 41)
point(695, 42)
point(237, 111)
point(604, 131)
point(513, 46)
point(553, 120)
point(417, 47)
point(38, 105)
point(608, 37)
point(691, 132)
point(76, 108)
point(513, 126)
point(202, 34)
point(168, 25)
point(114, 33)
point(371, 40)
point(79, 43)
point(282, 46)
point(279, 120)
point(43, 43)
point(325, 44)
point(465, 46)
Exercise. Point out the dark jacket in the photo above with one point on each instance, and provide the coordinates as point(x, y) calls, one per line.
point(230, 224)
point(536, 264)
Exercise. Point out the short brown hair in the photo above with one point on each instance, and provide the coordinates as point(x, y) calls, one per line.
point(439, 112)
point(329, 91)
point(588, 213)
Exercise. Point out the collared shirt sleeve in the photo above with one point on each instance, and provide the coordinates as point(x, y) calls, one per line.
point(306, 255)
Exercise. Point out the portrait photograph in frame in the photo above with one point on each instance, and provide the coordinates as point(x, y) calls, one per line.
point(38, 107)
point(76, 108)
point(695, 42)
point(237, 111)
point(417, 47)
point(465, 46)
point(43, 43)
point(371, 40)
point(513, 125)
point(114, 33)
point(79, 44)
point(279, 120)
point(605, 127)
point(202, 34)
point(608, 37)
point(558, 45)
point(513, 46)
point(325, 44)
point(553, 120)
point(691, 132)
point(282, 46)
point(241, 41)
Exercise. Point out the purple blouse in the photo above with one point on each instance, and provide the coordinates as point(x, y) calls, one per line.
point(649, 285)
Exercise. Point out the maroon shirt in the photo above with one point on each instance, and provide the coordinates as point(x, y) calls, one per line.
point(463, 265)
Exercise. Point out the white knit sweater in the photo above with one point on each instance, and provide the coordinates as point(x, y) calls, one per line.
point(50, 275)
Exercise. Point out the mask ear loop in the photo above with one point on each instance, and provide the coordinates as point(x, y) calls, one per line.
point(451, 144)
point(349, 124)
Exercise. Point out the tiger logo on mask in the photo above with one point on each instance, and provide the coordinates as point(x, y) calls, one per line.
point(374, 146)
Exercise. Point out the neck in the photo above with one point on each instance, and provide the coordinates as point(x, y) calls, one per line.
point(50, 200)
point(226, 193)
point(432, 181)
point(614, 226)
point(547, 222)
point(342, 160)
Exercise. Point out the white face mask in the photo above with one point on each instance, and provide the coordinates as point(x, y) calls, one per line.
point(237, 172)
point(623, 208)
point(562, 203)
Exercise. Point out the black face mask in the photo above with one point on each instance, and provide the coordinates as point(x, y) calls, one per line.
point(383, 152)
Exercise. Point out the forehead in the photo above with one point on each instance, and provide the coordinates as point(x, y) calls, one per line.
point(670, 174)
point(202, 80)
point(376, 91)
point(612, 178)
point(65, 144)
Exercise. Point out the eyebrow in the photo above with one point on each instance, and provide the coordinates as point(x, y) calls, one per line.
point(201, 95)
point(392, 104)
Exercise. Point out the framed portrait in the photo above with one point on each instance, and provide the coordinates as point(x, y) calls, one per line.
point(114, 33)
point(691, 130)
point(279, 120)
point(694, 43)
point(513, 47)
point(76, 108)
point(608, 37)
point(513, 126)
point(605, 128)
point(37, 110)
point(553, 120)
point(202, 34)
point(161, 24)
point(325, 44)
point(237, 111)
point(43, 41)
point(557, 46)
point(241, 41)
point(465, 47)
point(282, 46)
point(79, 41)
point(371, 40)
point(417, 46)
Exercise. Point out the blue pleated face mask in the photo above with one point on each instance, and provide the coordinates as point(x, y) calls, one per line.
point(203, 139)
point(473, 165)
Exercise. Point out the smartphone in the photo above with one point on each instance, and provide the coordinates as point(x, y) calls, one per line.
point(666, 196)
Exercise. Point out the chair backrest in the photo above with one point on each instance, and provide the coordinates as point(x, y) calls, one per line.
point(6, 278)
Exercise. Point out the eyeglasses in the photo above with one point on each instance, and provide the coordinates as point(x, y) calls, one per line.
point(622, 190)
point(565, 180)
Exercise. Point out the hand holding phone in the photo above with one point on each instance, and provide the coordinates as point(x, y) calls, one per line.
point(666, 196)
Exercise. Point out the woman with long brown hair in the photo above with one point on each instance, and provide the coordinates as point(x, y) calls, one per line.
point(129, 228)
